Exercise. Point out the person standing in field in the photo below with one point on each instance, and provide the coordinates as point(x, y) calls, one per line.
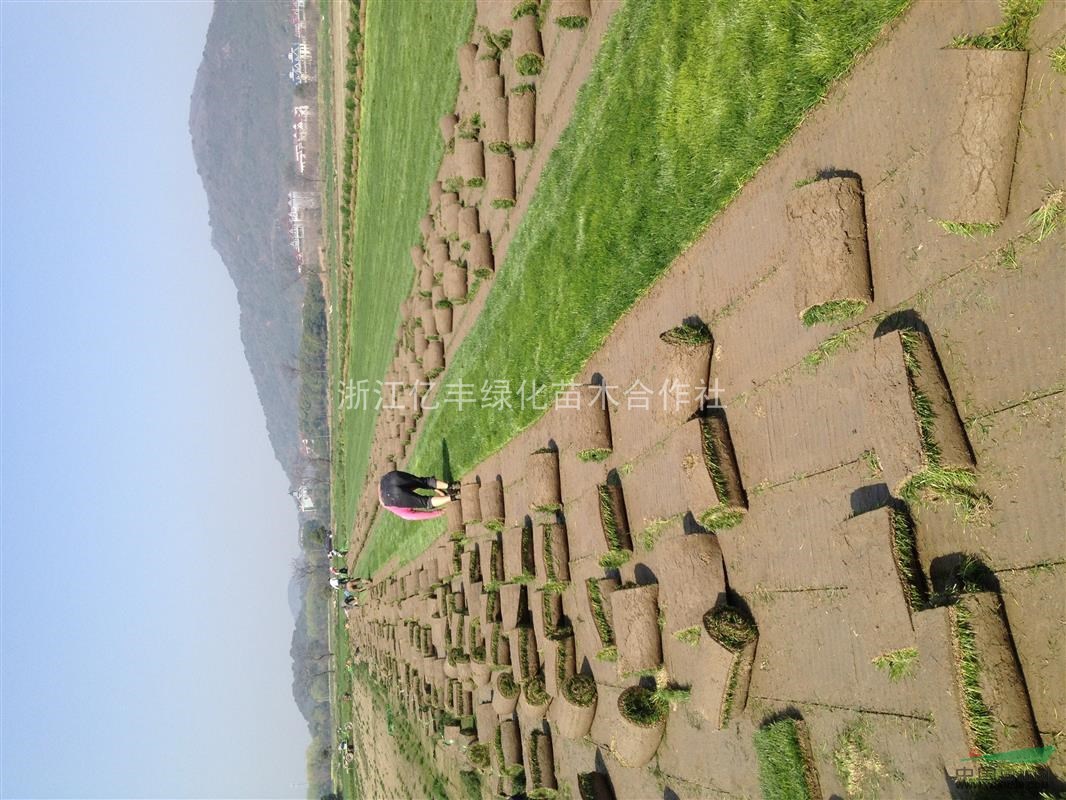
point(398, 493)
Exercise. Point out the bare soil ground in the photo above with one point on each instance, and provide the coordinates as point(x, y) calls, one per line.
point(826, 434)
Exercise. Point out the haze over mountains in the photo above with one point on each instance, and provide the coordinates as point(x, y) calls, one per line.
point(240, 121)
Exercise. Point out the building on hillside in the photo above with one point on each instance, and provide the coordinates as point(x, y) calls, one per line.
point(302, 70)
point(302, 496)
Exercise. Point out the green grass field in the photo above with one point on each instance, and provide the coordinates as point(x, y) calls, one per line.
point(686, 100)
point(410, 80)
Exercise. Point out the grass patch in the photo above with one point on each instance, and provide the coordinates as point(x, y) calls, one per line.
point(720, 87)
point(859, 768)
point(721, 517)
point(524, 9)
point(580, 690)
point(609, 654)
point(1058, 59)
point(479, 756)
point(690, 636)
point(818, 356)
point(730, 627)
point(641, 707)
point(1011, 34)
point(572, 23)
point(506, 686)
point(535, 694)
point(971, 230)
point(1045, 220)
point(687, 335)
point(900, 664)
point(529, 64)
point(783, 767)
point(594, 454)
point(650, 535)
point(524, 88)
point(730, 693)
point(613, 559)
point(833, 311)
point(406, 90)
point(502, 202)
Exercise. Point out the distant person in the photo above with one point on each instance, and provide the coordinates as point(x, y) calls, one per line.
point(397, 493)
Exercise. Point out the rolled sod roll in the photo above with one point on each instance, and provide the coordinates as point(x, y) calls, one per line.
point(510, 600)
point(442, 314)
point(828, 229)
point(470, 158)
point(429, 322)
point(438, 253)
point(479, 256)
point(522, 120)
point(494, 131)
point(487, 65)
point(643, 725)
point(525, 44)
point(594, 786)
point(423, 305)
point(425, 278)
point(573, 711)
point(542, 475)
point(500, 180)
point(468, 223)
point(435, 192)
point(974, 161)
point(467, 58)
point(541, 760)
point(414, 375)
point(454, 282)
point(490, 89)
point(511, 743)
point(470, 501)
point(635, 617)
point(455, 250)
point(449, 212)
point(447, 128)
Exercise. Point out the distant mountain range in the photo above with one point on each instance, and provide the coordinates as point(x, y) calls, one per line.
point(240, 120)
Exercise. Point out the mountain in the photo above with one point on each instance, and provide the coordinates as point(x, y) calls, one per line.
point(240, 120)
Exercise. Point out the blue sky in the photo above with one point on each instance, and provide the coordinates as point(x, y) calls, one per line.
point(146, 530)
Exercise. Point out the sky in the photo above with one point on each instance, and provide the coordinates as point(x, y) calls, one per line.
point(147, 533)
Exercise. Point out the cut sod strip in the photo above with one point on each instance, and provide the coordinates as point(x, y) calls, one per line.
point(947, 472)
point(541, 766)
point(786, 768)
point(591, 435)
point(643, 723)
point(551, 551)
point(828, 224)
point(975, 162)
point(635, 617)
point(615, 524)
point(542, 477)
point(598, 592)
point(994, 698)
point(721, 463)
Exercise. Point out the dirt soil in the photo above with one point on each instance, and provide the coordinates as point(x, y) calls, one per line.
point(826, 432)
